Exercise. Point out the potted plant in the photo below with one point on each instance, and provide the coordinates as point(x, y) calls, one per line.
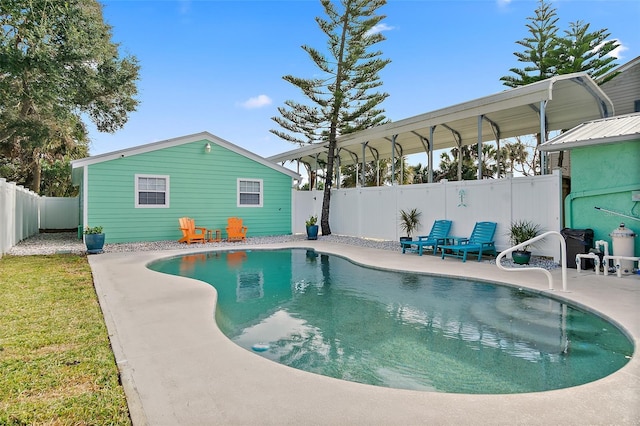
point(312, 228)
point(409, 222)
point(521, 231)
point(94, 239)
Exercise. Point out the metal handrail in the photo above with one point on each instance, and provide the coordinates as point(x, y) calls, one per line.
point(563, 253)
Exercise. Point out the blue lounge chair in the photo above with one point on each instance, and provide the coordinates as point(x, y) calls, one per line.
point(437, 235)
point(481, 241)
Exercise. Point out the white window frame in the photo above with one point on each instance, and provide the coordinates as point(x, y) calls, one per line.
point(261, 193)
point(151, 206)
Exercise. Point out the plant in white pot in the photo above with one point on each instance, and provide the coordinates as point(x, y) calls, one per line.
point(94, 239)
point(521, 231)
point(409, 222)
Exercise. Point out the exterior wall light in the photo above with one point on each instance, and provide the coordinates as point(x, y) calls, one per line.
point(207, 148)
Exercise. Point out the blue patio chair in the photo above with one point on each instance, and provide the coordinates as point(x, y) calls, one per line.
point(481, 241)
point(437, 235)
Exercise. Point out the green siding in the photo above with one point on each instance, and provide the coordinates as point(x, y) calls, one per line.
point(201, 185)
point(604, 176)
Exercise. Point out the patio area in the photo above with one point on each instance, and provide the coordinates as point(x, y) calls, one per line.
point(178, 368)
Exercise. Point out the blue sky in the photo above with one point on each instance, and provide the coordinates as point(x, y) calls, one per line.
point(217, 66)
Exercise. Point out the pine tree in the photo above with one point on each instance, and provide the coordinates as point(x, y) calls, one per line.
point(343, 99)
point(540, 49)
point(584, 51)
point(549, 55)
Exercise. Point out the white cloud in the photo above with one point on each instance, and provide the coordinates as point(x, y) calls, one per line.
point(503, 3)
point(256, 102)
point(617, 52)
point(378, 28)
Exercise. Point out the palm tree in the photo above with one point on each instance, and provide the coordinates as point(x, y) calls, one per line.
point(449, 165)
point(517, 158)
point(419, 173)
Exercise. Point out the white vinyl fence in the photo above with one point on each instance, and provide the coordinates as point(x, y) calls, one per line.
point(361, 212)
point(59, 213)
point(18, 214)
point(373, 212)
point(23, 213)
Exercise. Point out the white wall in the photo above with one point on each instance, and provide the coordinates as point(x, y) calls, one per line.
point(59, 212)
point(374, 212)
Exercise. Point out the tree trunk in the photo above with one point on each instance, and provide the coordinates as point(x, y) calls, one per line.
point(326, 198)
point(37, 174)
point(333, 130)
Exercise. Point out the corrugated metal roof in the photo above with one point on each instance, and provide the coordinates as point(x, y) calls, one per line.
point(607, 130)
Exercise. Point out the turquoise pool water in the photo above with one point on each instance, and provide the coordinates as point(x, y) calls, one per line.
point(324, 314)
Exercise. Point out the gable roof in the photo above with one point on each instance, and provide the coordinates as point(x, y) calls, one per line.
point(622, 68)
point(620, 128)
point(570, 100)
point(203, 136)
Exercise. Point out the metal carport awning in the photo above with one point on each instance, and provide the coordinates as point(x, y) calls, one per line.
point(560, 102)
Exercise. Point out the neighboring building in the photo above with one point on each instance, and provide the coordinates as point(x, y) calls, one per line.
point(624, 92)
point(138, 194)
point(605, 173)
point(624, 88)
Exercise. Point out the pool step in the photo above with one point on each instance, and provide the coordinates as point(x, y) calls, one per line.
point(541, 312)
point(544, 335)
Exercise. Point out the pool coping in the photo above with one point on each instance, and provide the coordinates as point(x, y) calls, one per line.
point(178, 368)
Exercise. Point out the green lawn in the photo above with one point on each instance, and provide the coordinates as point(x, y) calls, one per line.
point(56, 364)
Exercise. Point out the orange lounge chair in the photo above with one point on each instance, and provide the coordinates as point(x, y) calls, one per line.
point(235, 230)
point(191, 232)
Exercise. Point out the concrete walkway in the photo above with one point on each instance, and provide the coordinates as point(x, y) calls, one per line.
point(179, 369)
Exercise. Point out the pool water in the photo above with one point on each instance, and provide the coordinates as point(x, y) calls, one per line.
point(326, 315)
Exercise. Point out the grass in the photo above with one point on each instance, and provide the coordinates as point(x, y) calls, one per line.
point(56, 363)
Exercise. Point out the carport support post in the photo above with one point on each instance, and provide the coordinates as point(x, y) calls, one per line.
point(431, 130)
point(543, 136)
point(337, 172)
point(315, 171)
point(393, 158)
point(480, 118)
point(364, 153)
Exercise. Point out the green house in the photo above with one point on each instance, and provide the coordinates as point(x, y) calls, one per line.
point(605, 175)
point(138, 194)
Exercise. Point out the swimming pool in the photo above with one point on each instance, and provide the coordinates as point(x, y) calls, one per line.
point(324, 314)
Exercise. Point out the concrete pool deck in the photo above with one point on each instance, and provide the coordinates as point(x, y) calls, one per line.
point(177, 368)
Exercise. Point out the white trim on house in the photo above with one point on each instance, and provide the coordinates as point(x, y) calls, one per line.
point(203, 136)
point(85, 198)
point(260, 192)
point(166, 191)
